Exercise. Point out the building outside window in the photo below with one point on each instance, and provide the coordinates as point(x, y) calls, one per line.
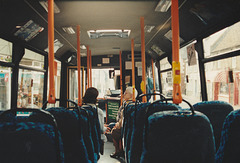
point(223, 76)
point(30, 89)
point(31, 82)
point(5, 74)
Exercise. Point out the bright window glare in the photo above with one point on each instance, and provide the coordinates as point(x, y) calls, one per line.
point(101, 81)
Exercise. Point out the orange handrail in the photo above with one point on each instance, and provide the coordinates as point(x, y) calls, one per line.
point(90, 63)
point(143, 59)
point(154, 86)
point(51, 97)
point(177, 96)
point(133, 70)
point(79, 66)
point(88, 76)
point(120, 64)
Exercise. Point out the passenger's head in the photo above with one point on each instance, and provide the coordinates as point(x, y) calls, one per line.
point(128, 94)
point(90, 96)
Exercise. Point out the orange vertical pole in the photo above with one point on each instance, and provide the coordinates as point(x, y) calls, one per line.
point(143, 86)
point(88, 80)
point(177, 96)
point(90, 63)
point(79, 66)
point(154, 86)
point(133, 70)
point(51, 97)
point(120, 64)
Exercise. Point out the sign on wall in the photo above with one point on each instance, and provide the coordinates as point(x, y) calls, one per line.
point(112, 110)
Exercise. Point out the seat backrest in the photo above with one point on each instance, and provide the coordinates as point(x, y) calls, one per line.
point(73, 144)
point(216, 111)
point(230, 139)
point(138, 127)
point(95, 127)
point(178, 136)
point(86, 132)
point(127, 126)
point(31, 136)
point(129, 120)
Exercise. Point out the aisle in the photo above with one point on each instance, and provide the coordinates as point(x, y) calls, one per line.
point(108, 149)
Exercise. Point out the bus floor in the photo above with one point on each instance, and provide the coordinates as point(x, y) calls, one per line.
point(105, 158)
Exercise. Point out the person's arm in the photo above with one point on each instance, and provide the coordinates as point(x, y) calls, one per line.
point(101, 120)
point(119, 114)
point(119, 123)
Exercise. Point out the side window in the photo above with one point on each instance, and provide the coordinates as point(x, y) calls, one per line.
point(5, 87)
point(57, 79)
point(5, 74)
point(223, 83)
point(32, 59)
point(31, 82)
point(5, 51)
point(167, 85)
point(105, 84)
point(223, 76)
point(190, 80)
point(166, 78)
point(30, 89)
point(150, 84)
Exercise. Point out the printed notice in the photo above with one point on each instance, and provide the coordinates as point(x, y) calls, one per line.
point(113, 106)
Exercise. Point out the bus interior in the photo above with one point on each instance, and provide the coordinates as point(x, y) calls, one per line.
point(110, 31)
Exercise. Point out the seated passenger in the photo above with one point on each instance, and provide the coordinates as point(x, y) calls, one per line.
point(90, 98)
point(117, 129)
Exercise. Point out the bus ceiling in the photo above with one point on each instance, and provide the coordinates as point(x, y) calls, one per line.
point(108, 27)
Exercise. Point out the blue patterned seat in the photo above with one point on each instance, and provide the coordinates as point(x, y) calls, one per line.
point(229, 148)
point(216, 111)
point(74, 148)
point(25, 139)
point(138, 127)
point(127, 118)
point(129, 126)
point(95, 128)
point(178, 136)
point(87, 137)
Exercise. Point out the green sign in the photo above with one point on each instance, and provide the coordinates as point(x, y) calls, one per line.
point(113, 106)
